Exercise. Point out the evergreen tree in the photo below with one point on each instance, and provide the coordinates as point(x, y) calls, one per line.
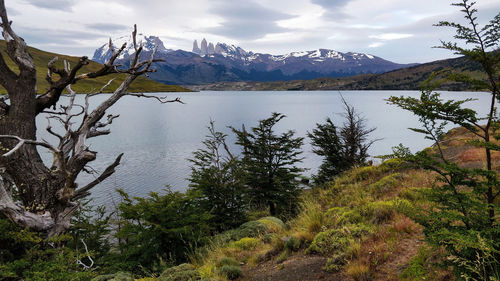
point(270, 162)
point(464, 215)
point(341, 149)
point(326, 143)
point(219, 177)
point(159, 227)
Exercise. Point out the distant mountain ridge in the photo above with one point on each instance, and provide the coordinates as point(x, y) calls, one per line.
point(209, 63)
point(409, 78)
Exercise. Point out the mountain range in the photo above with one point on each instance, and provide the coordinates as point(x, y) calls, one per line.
point(408, 78)
point(212, 63)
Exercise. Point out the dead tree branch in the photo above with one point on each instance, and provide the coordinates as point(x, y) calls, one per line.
point(48, 195)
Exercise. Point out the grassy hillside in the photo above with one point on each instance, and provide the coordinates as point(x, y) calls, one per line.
point(408, 78)
point(357, 227)
point(41, 58)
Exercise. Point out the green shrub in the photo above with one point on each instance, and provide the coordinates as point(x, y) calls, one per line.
point(26, 255)
point(268, 238)
point(119, 276)
point(252, 229)
point(379, 211)
point(248, 229)
point(416, 268)
point(336, 240)
point(292, 244)
point(273, 224)
point(385, 184)
point(162, 226)
point(411, 194)
point(283, 256)
point(227, 261)
point(246, 243)
point(350, 217)
point(182, 272)
point(232, 272)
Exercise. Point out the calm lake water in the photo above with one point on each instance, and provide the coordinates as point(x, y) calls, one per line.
point(157, 139)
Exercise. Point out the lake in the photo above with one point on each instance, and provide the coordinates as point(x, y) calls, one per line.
point(157, 139)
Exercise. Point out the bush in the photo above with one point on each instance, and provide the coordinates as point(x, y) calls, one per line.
point(273, 224)
point(385, 184)
point(379, 211)
point(182, 272)
point(336, 240)
point(159, 227)
point(252, 229)
point(292, 244)
point(232, 272)
point(26, 255)
point(119, 276)
point(246, 243)
point(227, 261)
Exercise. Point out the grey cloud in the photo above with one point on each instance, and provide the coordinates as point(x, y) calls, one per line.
point(12, 12)
point(107, 27)
point(63, 5)
point(329, 4)
point(246, 20)
point(333, 9)
point(35, 36)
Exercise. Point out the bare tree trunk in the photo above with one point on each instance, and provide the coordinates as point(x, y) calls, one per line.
point(31, 194)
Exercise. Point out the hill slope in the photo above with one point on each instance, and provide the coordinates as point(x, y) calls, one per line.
point(408, 78)
point(41, 58)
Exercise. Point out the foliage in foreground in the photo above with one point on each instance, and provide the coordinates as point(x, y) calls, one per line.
point(26, 255)
point(463, 208)
point(160, 227)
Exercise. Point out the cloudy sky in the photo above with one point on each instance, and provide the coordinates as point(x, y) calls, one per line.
point(397, 30)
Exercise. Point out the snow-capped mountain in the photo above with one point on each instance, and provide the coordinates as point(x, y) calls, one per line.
point(210, 63)
point(103, 53)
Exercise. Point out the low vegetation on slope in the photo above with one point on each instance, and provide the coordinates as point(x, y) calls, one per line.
point(357, 227)
point(41, 59)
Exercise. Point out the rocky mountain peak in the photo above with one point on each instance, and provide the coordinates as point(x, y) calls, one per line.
point(196, 50)
point(149, 43)
point(223, 49)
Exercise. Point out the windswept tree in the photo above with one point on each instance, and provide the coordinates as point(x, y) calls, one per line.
point(464, 214)
point(219, 177)
point(341, 148)
point(32, 194)
point(326, 143)
point(270, 162)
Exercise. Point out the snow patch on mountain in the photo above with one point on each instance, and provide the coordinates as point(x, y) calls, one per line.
point(149, 43)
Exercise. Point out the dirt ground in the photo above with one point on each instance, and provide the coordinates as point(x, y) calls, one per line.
point(300, 267)
point(296, 268)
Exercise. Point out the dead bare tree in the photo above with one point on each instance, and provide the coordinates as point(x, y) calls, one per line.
point(31, 194)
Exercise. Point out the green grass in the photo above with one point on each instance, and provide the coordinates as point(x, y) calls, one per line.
point(41, 59)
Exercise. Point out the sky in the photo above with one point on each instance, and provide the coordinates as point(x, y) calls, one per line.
point(398, 30)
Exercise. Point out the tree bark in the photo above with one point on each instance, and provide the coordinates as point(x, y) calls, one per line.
point(31, 194)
